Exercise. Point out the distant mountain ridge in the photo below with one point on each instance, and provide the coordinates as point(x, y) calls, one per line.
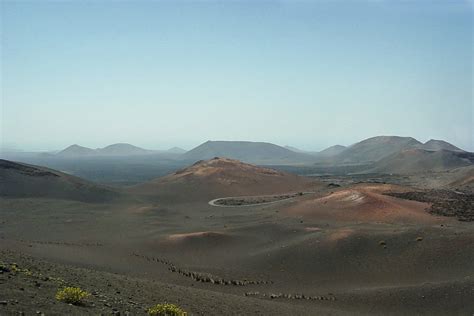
point(434, 144)
point(296, 150)
point(250, 152)
point(76, 150)
point(375, 148)
point(118, 149)
point(396, 154)
point(420, 160)
point(176, 150)
point(391, 154)
point(332, 151)
point(121, 149)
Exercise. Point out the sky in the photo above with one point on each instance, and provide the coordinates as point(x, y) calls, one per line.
point(309, 74)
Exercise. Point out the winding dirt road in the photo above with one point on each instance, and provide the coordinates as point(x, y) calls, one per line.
point(292, 196)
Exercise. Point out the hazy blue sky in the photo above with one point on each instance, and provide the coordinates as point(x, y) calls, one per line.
point(309, 73)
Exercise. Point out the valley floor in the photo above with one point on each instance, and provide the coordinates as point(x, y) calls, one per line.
point(338, 251)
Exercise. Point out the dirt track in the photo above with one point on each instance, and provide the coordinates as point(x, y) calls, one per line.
point(244, 201)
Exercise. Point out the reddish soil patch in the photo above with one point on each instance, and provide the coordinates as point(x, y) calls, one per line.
point(364, 203)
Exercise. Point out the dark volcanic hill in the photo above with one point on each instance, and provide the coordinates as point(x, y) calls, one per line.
point(123, 149)
point(253, 152)
point(27, 181)
point(434, 144)
point(76, 151)
point(419, 160)
point(220, 177)
point(375, 148)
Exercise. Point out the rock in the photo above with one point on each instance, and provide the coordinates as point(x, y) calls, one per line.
point(3, 302)
point(419, 238)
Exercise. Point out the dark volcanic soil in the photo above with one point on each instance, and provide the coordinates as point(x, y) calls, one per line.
point(31, 290)
point(347, 250)
point(444, 202)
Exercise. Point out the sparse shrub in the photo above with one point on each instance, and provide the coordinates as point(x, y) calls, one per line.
point(72, 295)
point(14, 267)
point(4, 268)
point(166, 310)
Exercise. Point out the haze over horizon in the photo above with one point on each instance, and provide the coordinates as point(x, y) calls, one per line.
point(165, 74)
point(14, 148)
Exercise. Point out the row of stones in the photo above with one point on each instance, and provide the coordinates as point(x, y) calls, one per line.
point(95, 244)
point(202, 277)
point(292, 296)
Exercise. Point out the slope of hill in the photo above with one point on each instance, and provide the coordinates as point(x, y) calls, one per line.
point(419, 160)
point(462, 178)
point(331, 151)
point(27, 181)
point(76, 151)
point(375, 148)
point(297, 150)
point(176, 150)
point(220, 177)
point(253, 152)
point(434, 144)
point(122, 149)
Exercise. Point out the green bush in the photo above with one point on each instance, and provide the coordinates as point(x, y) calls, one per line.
point(166, 310)
point(72, 295)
